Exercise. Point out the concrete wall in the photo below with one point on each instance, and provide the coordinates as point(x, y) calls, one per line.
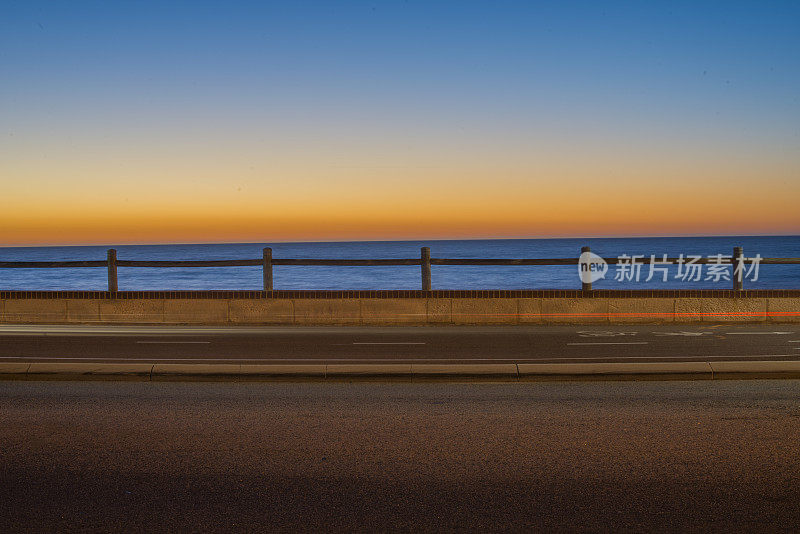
point(400, 311)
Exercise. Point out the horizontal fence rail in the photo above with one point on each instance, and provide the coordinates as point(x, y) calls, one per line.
point(50, 264)
point(352, 263)
point(424, 261)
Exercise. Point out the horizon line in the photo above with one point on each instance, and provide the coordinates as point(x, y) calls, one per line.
point(539, 238)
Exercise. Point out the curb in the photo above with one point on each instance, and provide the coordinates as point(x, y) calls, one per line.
point(617, 371)
point(762, 369)
point(492, 372)
point(84, 371)
point(522, 372)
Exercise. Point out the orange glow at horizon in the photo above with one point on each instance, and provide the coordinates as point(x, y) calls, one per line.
point(482, 188)
point(563, 211)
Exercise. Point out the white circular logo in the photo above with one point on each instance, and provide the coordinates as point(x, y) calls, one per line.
point(591, 267)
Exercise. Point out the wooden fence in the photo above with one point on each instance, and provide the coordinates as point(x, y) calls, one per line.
point(425, 261)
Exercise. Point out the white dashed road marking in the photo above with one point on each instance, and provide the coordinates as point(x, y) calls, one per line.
point(688, 334)
point(612, 343)
point(386, 343)
point(758, 333)
point(180, 342)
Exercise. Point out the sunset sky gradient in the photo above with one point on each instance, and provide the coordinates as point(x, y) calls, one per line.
point(142, 122)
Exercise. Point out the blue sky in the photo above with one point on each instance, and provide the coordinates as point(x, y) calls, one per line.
point(376, 85)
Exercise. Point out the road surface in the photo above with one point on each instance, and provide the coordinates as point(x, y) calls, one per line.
point(468, 344)
point(592, 457)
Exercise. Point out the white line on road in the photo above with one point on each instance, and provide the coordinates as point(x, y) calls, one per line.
point(687, 334)
point(182, 342)
point(612, 343)
point(758, 333)
point(387, 343)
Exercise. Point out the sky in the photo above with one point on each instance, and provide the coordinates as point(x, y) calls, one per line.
point(158, 122)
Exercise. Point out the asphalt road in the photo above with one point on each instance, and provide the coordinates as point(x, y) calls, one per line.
point(468, 344)
point(598, 457)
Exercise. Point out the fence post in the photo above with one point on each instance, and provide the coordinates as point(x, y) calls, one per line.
point(738, 277)
point(267, 269)
point(586, 286)
point(425, 262)
point(112, 270)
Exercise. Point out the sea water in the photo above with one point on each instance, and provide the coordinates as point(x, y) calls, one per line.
point(400, 277)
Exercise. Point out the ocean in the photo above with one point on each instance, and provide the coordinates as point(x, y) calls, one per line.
point(403, 277)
